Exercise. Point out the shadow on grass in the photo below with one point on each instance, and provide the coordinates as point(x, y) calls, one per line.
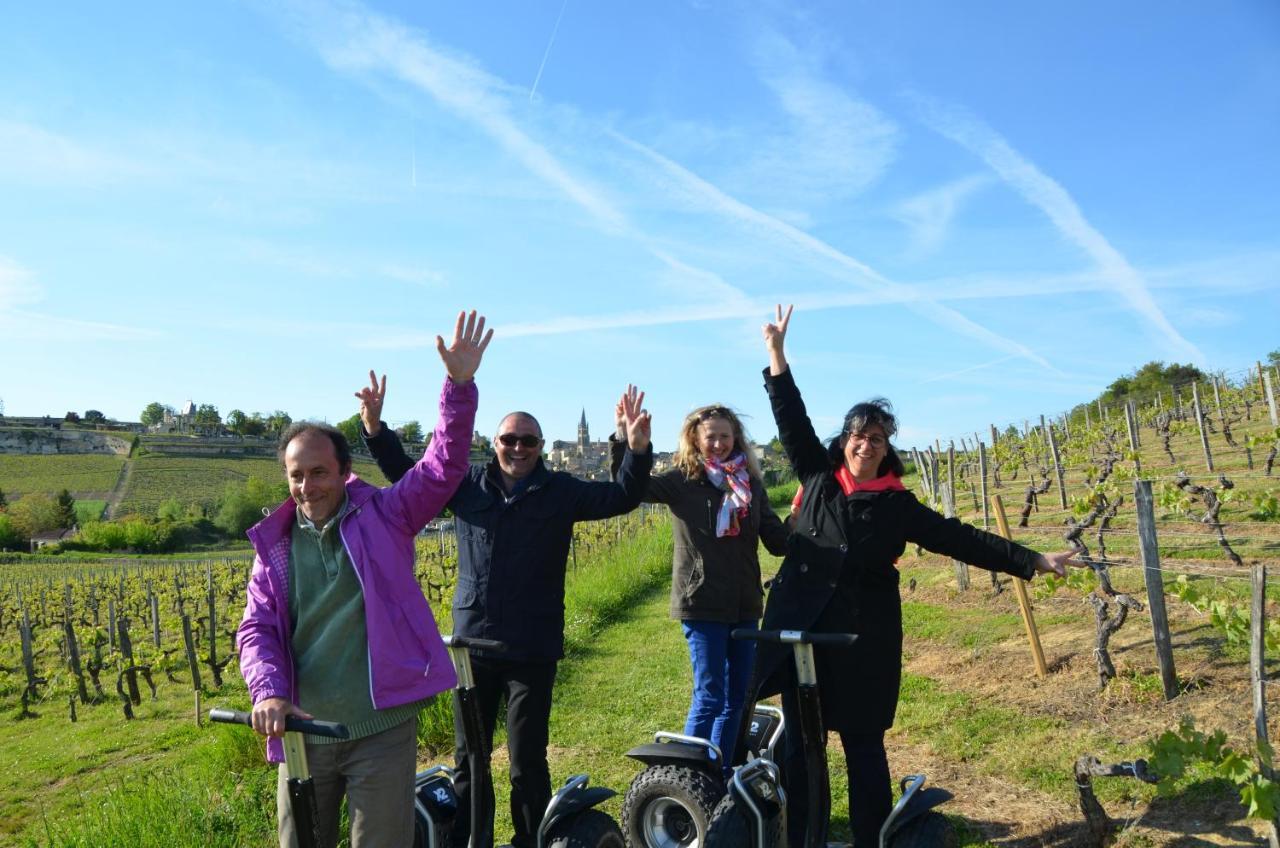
point(1207, 813)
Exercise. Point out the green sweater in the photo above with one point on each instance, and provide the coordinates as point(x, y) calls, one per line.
point(330, 643)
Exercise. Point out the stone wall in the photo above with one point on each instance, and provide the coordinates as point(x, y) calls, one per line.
point(46, 441)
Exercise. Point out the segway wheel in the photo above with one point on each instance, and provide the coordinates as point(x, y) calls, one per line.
point(669, 807)
point(730, 826)
point(587, 829)
point(928, 830)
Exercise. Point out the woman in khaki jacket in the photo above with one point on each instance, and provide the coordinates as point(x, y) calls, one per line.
point(719, 514)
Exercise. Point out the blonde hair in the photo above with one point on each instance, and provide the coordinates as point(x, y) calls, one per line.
point(690, 460)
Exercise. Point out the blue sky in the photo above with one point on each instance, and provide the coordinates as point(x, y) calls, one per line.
point(984, 211)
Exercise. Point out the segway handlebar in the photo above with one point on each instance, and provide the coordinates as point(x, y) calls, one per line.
point(795, 637)
point(293, 724)
point(470, 642)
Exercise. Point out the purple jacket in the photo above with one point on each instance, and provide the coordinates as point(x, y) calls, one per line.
point(407, 658)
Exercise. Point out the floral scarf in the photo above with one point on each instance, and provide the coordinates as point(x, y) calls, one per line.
point(731, 477)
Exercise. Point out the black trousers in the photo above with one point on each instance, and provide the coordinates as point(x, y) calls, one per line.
point(527, 687)
point(870, 789)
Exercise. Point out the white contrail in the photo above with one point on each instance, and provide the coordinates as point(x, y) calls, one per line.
point(853, 271)
point(547, 52)
point(1045, 193)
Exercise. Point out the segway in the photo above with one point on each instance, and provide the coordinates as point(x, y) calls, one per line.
point(570, 820)
point(669, 803)
point(754, 811)
point(301, 789)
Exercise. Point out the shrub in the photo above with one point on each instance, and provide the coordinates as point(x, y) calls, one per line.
point(10, 537)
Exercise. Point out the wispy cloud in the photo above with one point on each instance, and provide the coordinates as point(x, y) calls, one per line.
point(19, 288)
point(951, 375)
point(712, 199)
point(831, 144)
point(35, 154)
point(352, 38)
point(1045, 193)
point(929, 214)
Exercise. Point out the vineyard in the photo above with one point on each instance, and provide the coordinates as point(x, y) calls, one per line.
point(107, 665)
point(88, 475)
point(1022, 747)
point(155, 478)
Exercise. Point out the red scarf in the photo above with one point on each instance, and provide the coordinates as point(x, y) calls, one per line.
point(888, 483)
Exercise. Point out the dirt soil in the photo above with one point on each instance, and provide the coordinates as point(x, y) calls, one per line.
point(1215, 691)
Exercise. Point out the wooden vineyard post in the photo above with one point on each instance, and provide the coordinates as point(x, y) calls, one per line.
point(73, 649)
point(126, 651)
point(193, 662)
point(982, 472)
point(1057, 467)
point(155, 620)
point(951, 478)
point(962, 569)
point(1020, 587)
point(1271, 398)
point(1149, 551)
point(1258, 676)
point(1217, 398)
point(1133, 437)
point(1204, 438)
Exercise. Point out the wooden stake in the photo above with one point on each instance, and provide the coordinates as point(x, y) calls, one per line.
point(1271, 398)
point(1204, 437)
point(982, 471)
point(962, 569)
point(1057, 467)
point(1149, 552)
point(1133, 437)
point(1024, 602)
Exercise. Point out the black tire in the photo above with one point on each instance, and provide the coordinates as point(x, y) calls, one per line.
point(587, 829)
point(731, 828)
point(422, 830)
point(927, 830)
point(669, 807)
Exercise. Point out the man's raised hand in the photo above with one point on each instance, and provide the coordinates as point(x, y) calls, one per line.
point(637, 419)
point(371, 398)
point(462, 358)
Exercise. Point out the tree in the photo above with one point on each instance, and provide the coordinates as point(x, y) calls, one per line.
point(93, 416)
point(207, 418)
point(236, 420)
point(11, 539)
point(66, 510)
point(34, 513)
point(1273, 359)
point(153, 414)
point(1149, 379)
point(350, 428)
point(278, 422)
point(3, 503)
point(254, 425)
point(72, 417)
point(411, 432)
point(242, 504)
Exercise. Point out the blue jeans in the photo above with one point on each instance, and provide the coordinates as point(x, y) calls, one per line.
point(721, 674)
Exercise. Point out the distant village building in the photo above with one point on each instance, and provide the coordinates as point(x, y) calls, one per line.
point(586, 459)
point(182, 421)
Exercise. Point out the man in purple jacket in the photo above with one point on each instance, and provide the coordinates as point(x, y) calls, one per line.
point(336, 625)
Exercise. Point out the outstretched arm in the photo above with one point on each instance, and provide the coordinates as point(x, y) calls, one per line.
point(803, 448)
point(631, 474)
point(420, 495)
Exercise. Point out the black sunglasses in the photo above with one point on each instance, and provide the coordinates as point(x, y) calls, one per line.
point(525, 441)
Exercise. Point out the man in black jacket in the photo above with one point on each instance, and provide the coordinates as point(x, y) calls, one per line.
point(515, 523)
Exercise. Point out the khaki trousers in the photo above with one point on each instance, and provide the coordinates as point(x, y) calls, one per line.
point(376, 775)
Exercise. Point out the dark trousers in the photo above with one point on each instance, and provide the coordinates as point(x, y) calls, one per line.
point(527, 687)
point(870, 789)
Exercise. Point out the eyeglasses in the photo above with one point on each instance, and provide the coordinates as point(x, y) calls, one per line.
point(713, 412)
point(876, 440)
point(525, 441)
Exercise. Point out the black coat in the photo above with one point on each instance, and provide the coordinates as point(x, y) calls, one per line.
point(512, 550)
point(713, 578)
point(839, 575)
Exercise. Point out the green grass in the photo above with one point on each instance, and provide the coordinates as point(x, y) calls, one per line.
point(89, 510)
point(81, 474)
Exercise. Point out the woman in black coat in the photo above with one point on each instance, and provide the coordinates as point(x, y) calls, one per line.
point(838, 576)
